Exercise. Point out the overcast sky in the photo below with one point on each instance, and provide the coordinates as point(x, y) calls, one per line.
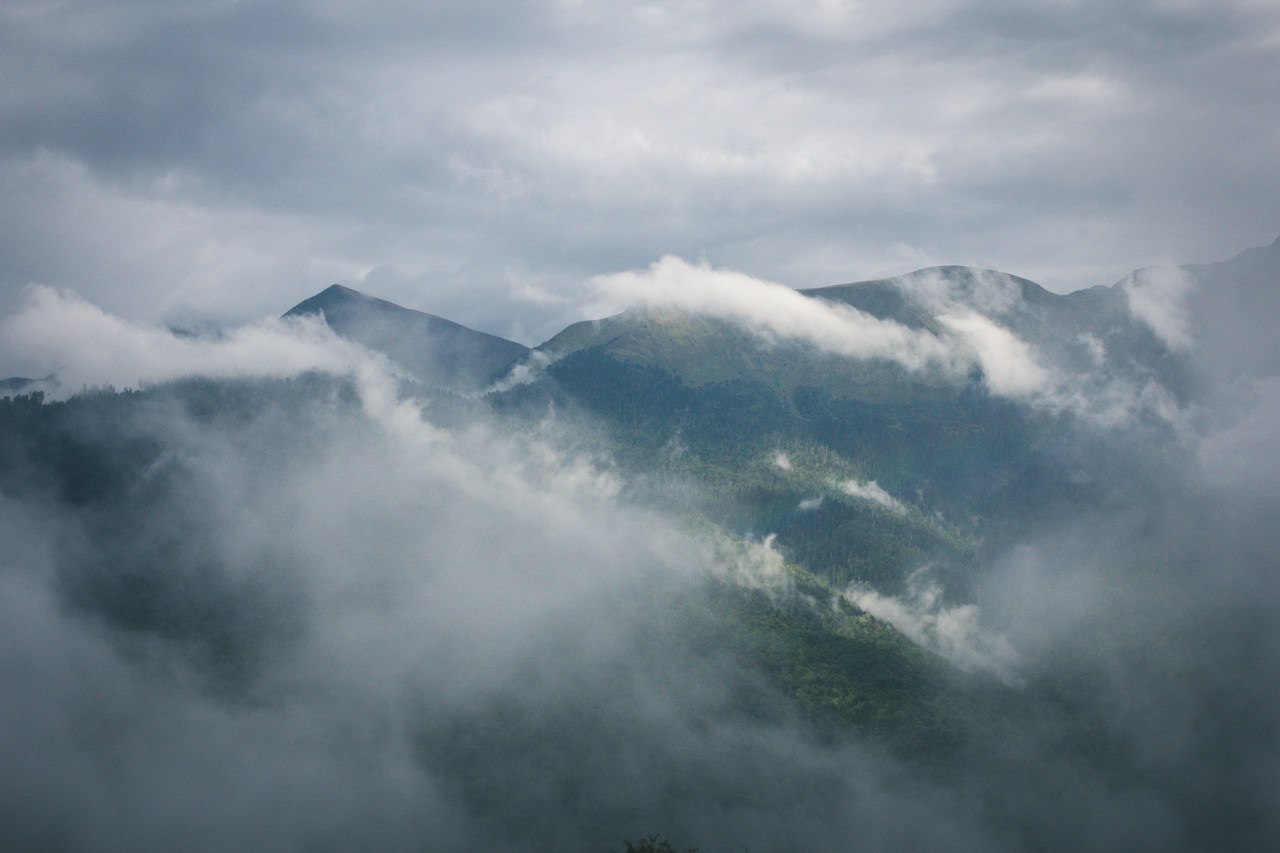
point(222, 160)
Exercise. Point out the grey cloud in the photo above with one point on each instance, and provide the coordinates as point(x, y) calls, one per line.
point(1239, 451)
point(1160, 606)
point(84, 347)
point(317, 628)
point(477, 152)
point(1168, 601)
point(182, 262)
point(956, 631)
point(1158, 297)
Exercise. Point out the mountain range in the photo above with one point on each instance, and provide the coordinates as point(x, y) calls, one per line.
point(938, 561)
point(1224, 306)
point(691, 392)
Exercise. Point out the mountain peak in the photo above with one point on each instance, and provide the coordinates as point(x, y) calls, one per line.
point(434, 350)
point(339, 290)
point(331, 296)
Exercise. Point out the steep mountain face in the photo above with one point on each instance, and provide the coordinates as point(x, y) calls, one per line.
point(434, 350)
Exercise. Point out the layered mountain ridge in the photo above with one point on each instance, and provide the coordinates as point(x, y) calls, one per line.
point(673, 564)
point(936, 443)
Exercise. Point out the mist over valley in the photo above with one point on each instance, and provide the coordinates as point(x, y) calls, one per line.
point(942, 561)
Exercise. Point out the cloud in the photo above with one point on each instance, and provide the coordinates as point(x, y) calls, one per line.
point(754, 565)
point(987, 292)
point(358, 597)
point(60, 333)
point(1236, 451)
point(967, 339)
point(276, 148)
point(1165, 604)
point(1010, 366)
point(338, 626)
point(776, 312)
point(1158, 297)
point(525, 371)
point(146, 251)
point(955, 631)
point(869, 491)
point(1095, 348)
point(327, 626)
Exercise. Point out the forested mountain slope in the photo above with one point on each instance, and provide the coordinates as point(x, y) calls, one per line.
point(865, 467)
point(1004, 583)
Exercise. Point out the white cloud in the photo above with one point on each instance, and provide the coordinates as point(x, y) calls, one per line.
point(753, 564)
point(59, 332)
point(524, 372)
point(954, 631)
point(985, 291)
point(967, 305)
point(967, 338)
point(870, 491)
point(776, 312)
point(1009, 365)
point(1096, 349)
point(1157, 296)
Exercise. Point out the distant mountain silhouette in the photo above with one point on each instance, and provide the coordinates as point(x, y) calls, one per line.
point(23, 385)
point(434, 350)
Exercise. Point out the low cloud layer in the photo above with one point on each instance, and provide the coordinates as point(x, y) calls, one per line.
point(327, 622)
point(776, 312)
point(320, 625)
point(59, 333)
point(968, 339)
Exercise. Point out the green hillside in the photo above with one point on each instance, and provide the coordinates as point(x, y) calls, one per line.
point(703, 399)
point(110, 459)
